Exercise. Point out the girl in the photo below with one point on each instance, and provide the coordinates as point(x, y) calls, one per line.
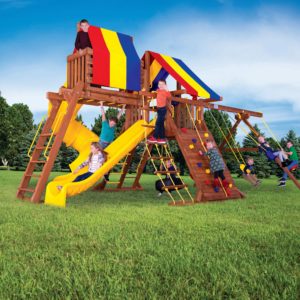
point(217, 166)
point(95, 160)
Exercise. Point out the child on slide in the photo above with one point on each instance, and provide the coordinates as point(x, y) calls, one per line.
point(217, 166)
point(271, 154)
point(94, 161)
point(249, 172)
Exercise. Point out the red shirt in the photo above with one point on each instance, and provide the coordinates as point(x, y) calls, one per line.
point(161, 99)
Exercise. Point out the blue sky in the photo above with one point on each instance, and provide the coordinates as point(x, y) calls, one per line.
point(247, 51)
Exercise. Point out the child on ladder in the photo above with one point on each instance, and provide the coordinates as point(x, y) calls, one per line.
point(161, 103)
point(217, 167)
point(95, 160)
point(249, 173)
point(169, 180)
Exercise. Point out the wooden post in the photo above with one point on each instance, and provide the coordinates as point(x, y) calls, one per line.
point(136, 183)
point(229, 134)
point(72, 101)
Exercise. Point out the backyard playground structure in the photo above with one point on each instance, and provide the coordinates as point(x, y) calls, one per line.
point(112, 72)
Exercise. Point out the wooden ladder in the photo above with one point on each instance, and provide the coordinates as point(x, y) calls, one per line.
point(36, 157)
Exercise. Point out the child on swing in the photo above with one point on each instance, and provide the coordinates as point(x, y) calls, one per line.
point(271, 154)
point(95, 160)
point(217, 167)
point(249, 173)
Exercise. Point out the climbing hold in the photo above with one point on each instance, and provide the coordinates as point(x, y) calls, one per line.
point(191, 146)
point(207, 182)
point(207, 171)
point(184, 130)
point(200, 153)
point(216, 189)
point(206, 135)
point(199, 164)
point(194, 141)
point(230, 185)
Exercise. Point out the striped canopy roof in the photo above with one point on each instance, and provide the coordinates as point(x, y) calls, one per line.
point(115, 61)
point(161, 66)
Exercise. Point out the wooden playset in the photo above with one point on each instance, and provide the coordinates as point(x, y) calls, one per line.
point(113, 72)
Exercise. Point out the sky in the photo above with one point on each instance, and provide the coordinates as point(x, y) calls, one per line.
point(247, 51)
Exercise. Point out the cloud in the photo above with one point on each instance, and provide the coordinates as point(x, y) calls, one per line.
point(241, 58)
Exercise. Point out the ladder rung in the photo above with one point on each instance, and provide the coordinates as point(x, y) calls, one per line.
point(116, 173)
point(46, 134)
point(33, 175)
point(112, 182)
point(130, 177)
point(27, 190)
point(166, 172)
point(162, 157)
point(38, 161)
point(174, 186)
point(42, 148)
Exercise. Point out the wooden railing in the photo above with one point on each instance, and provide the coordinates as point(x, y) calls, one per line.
point(80, 68)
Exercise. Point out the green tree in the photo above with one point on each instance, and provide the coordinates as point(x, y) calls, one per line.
point(4, 125)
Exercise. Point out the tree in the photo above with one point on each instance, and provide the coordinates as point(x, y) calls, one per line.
point(4, 124)
point(20, 123)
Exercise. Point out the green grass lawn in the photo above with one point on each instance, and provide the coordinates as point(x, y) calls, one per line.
point(133, 245)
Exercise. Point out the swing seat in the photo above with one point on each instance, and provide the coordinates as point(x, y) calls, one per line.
point(294, 168)
point(242, 167)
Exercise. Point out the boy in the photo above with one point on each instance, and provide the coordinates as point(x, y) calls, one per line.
point(82, 38)
point(161, 103)
point(217, 166)
point(264, 147)
point(294, 160)
point(249, 174)
point(108, 129)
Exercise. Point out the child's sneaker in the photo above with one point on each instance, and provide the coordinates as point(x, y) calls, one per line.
point(161, 141)
point(152, 140)
point(281, 184)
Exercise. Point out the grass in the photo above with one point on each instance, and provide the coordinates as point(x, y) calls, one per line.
point(132, 245)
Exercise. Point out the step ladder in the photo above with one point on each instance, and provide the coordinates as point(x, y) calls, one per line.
point(43, 154)
point(163, 154)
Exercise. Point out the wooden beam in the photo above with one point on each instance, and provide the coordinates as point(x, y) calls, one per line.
point(229, 134)
point(243, 149)
point(208, 105)
point(245, 120)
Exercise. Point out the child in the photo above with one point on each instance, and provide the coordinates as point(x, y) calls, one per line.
point(249, 174)
point(159, 131)
point(95, 160)
point(294, 160)
point(217, 166)
point(108, 130)
point(169, 180)
point(264, 147)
